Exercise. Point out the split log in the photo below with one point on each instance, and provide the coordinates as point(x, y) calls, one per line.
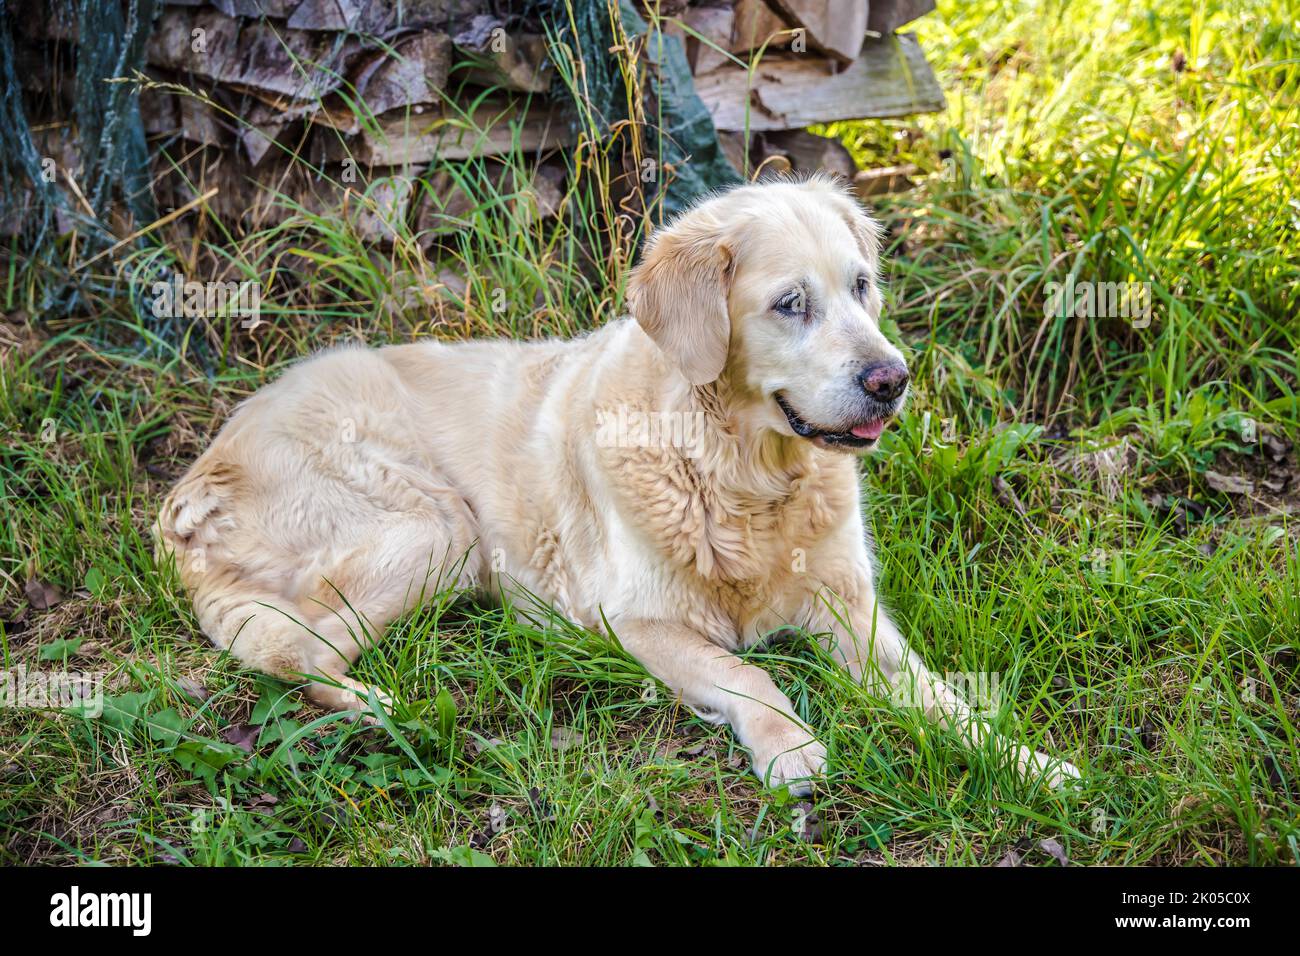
point(209, 44)
point(736, 148)
point(808, 152)
point(324, 14)
point(52, 145)
point(160, 112)
point(380, 17)
point(290, 62)
point(889, 78)
point(311, 73)
point(242, 200)
point(837, 28)
point(377, 209)
point(257, 139)
point(782, 151)
point(501, 59)
point(445, 205)
point(200, 123)
point(38, 72)
point(707, 51)
point(413, 75)
point(261, 60)
point(246, 8)
point(35, 23)
point(218, 117)
point(494, 128)
point(757, 23)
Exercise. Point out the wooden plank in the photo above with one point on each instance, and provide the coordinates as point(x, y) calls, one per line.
point(886, 16)
point(838, 28)
point(889, 78)
point(408, 139)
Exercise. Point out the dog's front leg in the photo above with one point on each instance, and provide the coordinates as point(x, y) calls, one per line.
point(721, 688)
point(864, 639)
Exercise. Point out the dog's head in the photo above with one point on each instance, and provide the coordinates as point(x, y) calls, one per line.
point(774, 287)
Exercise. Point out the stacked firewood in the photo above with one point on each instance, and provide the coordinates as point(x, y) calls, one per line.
point(376, 90)
point(818, 61)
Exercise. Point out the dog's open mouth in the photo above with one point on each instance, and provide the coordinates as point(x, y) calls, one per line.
point(862, 435)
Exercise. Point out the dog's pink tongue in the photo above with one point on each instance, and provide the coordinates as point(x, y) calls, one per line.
point(870, 430)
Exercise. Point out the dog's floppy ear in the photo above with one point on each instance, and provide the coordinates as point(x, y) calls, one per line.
point(679, 295)
point(868, 232)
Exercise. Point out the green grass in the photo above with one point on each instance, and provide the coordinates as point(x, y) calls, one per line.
point(1073, 145)
point(1063, 536)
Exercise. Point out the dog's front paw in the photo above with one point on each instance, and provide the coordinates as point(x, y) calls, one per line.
point(786, 755)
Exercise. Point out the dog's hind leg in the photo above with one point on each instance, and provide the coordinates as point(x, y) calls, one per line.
point(272, 633)
point(408, 561)
point(296, 618)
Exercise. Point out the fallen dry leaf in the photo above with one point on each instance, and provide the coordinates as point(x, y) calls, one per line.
point(1229, 484)
point(42, 595)
point(193, 689)
point(1054, 849)
point(481, 746)
point(243, 736)
point(807, 824)
point(562, 738)
point(1276, 447)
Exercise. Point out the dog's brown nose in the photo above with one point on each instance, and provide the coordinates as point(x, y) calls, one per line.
point(884, 382)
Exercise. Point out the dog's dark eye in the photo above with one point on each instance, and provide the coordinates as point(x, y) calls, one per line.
point(792, 303)
point(863, 287)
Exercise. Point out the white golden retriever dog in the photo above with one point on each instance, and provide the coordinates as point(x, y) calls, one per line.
point(685, 479)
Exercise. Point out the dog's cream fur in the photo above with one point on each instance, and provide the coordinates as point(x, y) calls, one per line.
point(338, 497)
